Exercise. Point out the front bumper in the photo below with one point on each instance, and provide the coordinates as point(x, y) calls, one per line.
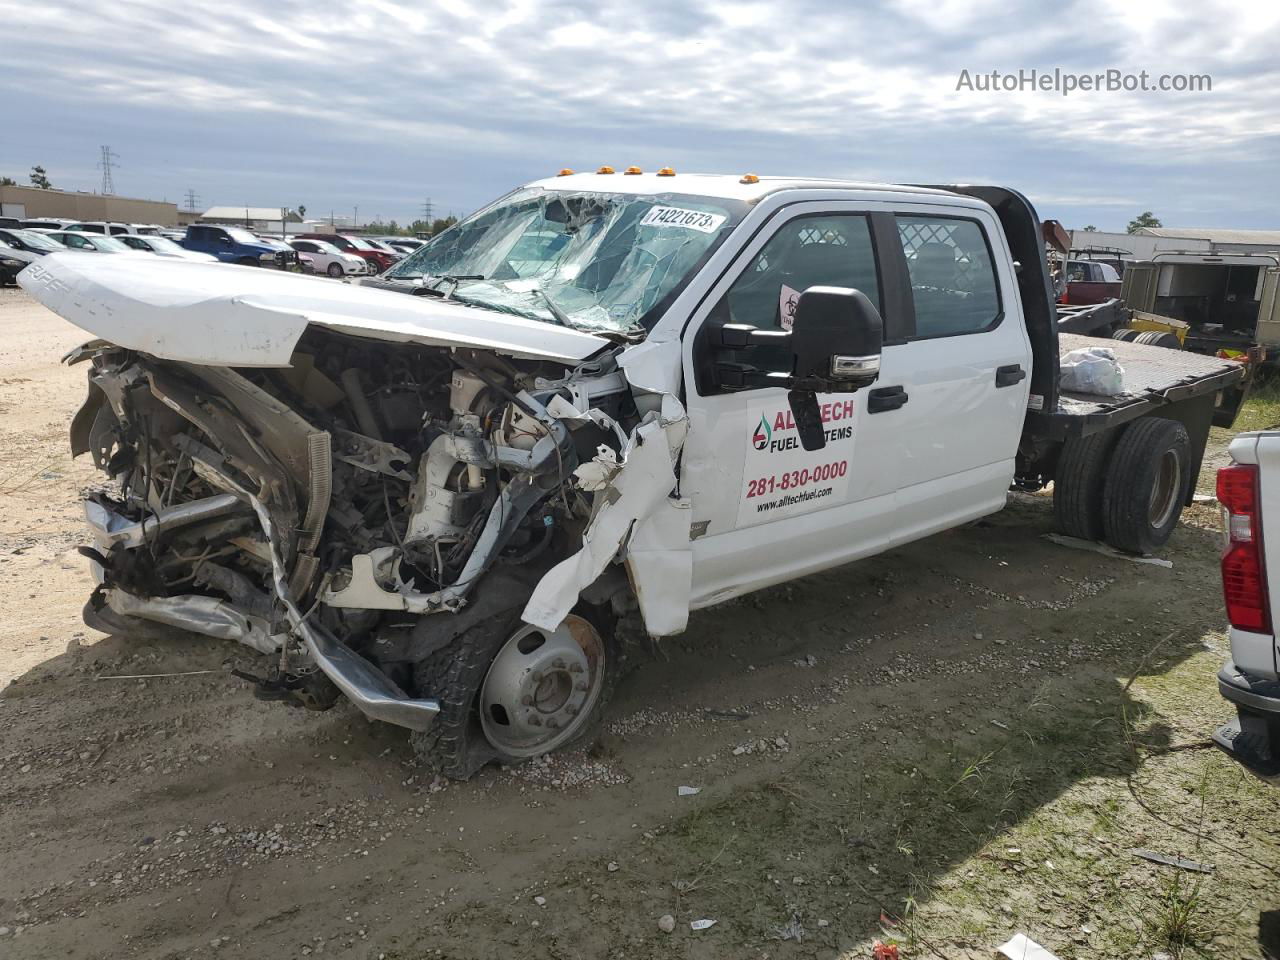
point(371, 690)
point(1253, 738)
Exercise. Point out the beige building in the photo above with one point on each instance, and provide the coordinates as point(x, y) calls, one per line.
point(30, 203)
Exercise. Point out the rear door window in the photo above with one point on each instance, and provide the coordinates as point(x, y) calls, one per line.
point(952, 273)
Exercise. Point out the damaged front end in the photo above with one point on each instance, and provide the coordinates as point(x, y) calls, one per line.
point(362, 517)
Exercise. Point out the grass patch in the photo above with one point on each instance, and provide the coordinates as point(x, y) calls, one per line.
point(1261, 410)
point(947, 841)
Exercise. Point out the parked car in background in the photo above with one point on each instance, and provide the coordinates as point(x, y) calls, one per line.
point(11, 222)
point(380, 244)
point(21, 247)
point(46, 223)
point(109, 227)
point(377, 258)
point(90, 242)
point(1249, 492)
point(29, 244)
point(1090, 281)
point(238, 245)
point(329, 259)
point(147, 229)
point(176, 234)
point(9, 264)
point(304, 265)
point(163, 247)
point(403, 244)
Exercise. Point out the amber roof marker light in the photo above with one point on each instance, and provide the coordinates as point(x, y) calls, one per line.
point(666, 172)
point(749, 178)
point(565, 172)
point(605, 169)
point(632, 171)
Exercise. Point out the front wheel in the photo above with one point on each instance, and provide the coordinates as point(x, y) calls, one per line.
point(335, 271)
point(509, 691)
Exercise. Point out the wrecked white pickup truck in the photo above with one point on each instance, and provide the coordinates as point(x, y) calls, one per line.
point(599, 394)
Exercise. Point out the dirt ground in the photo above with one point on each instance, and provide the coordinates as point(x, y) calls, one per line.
point(942, 746)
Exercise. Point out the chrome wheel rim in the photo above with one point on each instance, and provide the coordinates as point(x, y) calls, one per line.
point(541, 687)
point(1166, 490)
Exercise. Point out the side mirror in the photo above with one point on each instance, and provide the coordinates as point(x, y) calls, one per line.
point(836, 337)
point(834, 343)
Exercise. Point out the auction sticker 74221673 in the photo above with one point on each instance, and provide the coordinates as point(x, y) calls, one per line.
point(781, 478)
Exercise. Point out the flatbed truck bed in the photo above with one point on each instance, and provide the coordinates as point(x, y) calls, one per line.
point(1154, 378)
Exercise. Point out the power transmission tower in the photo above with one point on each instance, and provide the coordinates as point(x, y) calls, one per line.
point(109, 159)
point(427, 209)
point(192, 199)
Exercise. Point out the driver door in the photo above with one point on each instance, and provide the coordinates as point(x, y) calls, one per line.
point(764, 510)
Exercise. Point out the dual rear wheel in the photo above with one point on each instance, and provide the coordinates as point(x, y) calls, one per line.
point(1126, 486)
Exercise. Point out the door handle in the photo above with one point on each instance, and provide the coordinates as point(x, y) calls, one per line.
point(1008, 376)
point(885, 398)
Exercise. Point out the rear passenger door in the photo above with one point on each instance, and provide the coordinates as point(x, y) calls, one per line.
point(950, 402)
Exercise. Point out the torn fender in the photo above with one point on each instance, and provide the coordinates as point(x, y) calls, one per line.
point(638, 515)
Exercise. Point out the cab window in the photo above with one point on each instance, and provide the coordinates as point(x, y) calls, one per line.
point(952, 273)
point(827, 250)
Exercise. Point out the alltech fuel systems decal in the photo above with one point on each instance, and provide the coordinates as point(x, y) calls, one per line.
point(781, 478)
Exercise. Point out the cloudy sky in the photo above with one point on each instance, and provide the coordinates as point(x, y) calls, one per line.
point(380, 104)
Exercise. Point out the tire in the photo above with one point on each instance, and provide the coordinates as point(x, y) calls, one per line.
point(1126, 334)
point(462, 740)
point(335, 271)
point(1160, 338)
point(1146, 484)
point(1078, 484)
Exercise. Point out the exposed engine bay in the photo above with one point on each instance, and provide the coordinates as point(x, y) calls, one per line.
point(351, 515)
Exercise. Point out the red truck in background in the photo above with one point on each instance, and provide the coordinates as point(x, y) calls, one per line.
point(1089, 282)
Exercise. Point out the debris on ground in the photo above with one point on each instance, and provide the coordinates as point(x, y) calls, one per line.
point(683, 791)
point(666, 923)
point(702, 924)
point(1075, 543)
point(884, 951)
point(793, 930)
point(1178, 862)
point(1022, 947)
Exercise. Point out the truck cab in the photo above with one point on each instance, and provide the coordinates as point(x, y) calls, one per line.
point(236, 245)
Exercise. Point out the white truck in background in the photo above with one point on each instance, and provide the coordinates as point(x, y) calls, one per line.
point(1249, 492)
point(599, 394)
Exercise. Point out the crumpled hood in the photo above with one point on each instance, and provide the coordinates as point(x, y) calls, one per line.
point(225, 315)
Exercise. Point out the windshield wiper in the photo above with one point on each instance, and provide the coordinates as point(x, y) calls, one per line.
point(562, 318)
point(431, 285)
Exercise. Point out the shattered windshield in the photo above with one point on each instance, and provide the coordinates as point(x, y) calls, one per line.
point(601, 262)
